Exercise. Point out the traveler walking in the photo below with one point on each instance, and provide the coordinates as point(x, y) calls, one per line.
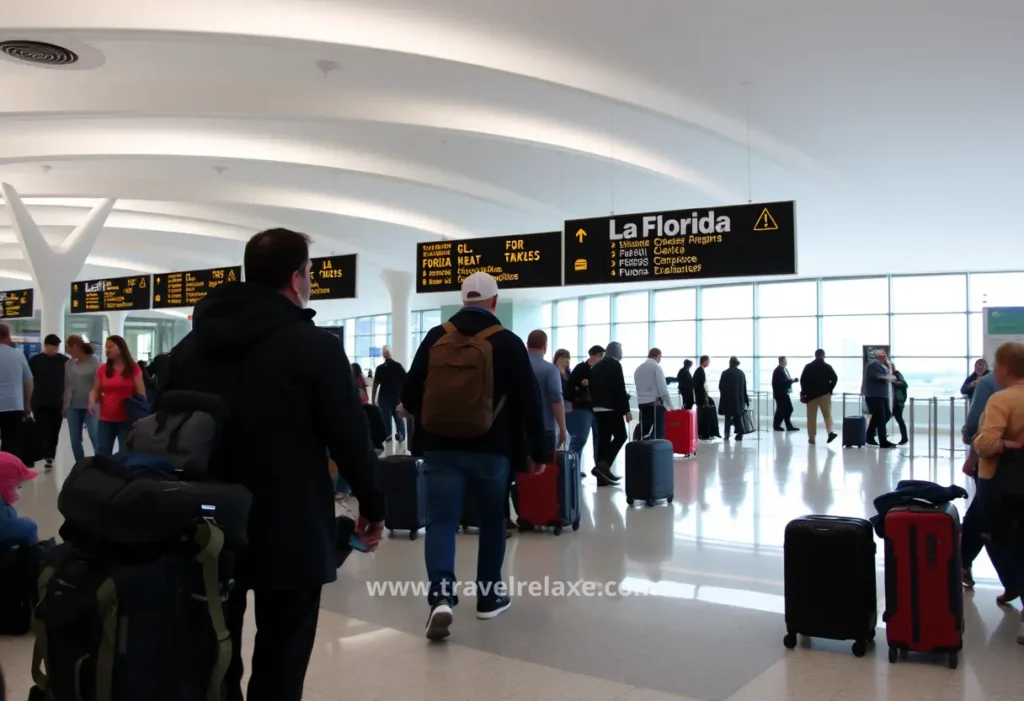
point(550, 384)
point(291, 401)
point(611, 411)
point(817, 382)
point(360, 380)
point(48, 394)
point(15, 394)
point(652, 395)
point(733, 398)
point(878, 379)
point(782, 388)
point(981, 369)
point(387, 394)
point(583, 402)
point(471, 387)
point(899, 401)
point(117, 380)
point(79, 378)
point(700, 383)
point(685, 380)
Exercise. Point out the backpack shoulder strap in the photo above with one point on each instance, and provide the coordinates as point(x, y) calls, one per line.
point(488, 332)
point(449, 328)
point(210, 540)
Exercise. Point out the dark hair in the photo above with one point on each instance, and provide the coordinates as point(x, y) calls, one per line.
point(88, 348)
point(687, 363)
point(126, 357)
point(536, 340)
point(781, 358)
point(274, 255)
point(596, 350)
point(819, 354)
point(51, 339)
point(357, 369)
point(704, 358)
point(5, 332)
point(561, 353)
point(654, 353)
point(733, 361)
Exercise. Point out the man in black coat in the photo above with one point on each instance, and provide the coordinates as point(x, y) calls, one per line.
point(611, 411)
point(685, 380)
point(782, 388)
point(291, 400)
point(733, 399)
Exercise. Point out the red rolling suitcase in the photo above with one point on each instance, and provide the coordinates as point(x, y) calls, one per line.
point(681, 431)
point(924, 599)
point(551, 498)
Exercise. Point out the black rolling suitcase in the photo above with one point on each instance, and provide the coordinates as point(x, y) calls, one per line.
point(405, 494)
point(855, 431)
point(650, 471)
point(830, 580)
point(707, 422)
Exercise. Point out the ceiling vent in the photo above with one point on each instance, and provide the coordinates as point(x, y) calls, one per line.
point(38, 52)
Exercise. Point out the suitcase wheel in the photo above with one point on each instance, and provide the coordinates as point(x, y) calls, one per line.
point(630, 501)
point(954, 659)
point(893, 655)
point(671, 498)
point(558, 530)
point(413, 535)
point(859, 648)
point(871, 635)
point(789, 641)
point(576, 526)
point(391, 532)
point(524, 525)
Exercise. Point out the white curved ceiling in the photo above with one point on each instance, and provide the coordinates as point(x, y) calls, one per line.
point(373, 125)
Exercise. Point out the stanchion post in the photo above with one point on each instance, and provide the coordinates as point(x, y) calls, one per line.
point(912, 427)
point(952, 419)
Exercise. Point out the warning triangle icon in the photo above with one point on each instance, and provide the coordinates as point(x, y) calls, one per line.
point(766, 222)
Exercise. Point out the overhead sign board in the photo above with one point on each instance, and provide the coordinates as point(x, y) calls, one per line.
point(188, 288)
point(117, 294)
point(523, 260)
point(17, 304)
point(333, 277)
point(735, 241)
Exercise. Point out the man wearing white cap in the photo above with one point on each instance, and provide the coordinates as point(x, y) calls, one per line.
point(473, 392)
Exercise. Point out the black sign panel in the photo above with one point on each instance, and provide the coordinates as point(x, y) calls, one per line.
point(742, 240)
point(186, 289)
point(525, 260)
point(333, 277)
point(116, 294)
point(16, 304)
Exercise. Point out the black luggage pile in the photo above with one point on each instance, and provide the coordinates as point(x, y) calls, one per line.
point(131, 605)
point(20, 567)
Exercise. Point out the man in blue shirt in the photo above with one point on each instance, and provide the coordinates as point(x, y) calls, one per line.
point(549, 382)
point(15, 394)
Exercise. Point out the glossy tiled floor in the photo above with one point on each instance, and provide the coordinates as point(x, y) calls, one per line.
point(709, 624)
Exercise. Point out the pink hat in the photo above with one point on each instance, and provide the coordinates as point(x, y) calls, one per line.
point(12, 473)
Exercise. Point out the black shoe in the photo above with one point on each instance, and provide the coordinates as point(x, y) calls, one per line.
point(887, 445)
point(832, 437)
point(602, 470)
point(583, 475)
point(739, 436)
point(904, 441)
point(603, 480)
point(780, 429)
point(792, 428)
point(871, 441)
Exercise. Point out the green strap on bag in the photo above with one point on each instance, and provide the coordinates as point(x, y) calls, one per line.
point(106, 604)
point(41, 646)
point(211, 542)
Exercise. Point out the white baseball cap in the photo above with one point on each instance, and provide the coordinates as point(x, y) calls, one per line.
point(478, 287)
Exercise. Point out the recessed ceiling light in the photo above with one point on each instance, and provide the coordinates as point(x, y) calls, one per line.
point(31, 51)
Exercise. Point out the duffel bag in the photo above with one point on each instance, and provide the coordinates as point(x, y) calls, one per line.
point(186, 430)
point(119, 504)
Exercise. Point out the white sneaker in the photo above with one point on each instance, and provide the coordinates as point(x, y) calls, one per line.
point(439, 621)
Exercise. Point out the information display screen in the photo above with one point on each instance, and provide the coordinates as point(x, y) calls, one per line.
point(735, 241)
point(111, 294)
point(333, 277)
point(525, 260)
point(17, 304)
point(188, 288)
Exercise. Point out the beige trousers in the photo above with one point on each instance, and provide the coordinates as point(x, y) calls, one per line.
point(825, 405)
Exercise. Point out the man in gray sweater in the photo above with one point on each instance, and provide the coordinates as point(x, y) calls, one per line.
point(878, 378)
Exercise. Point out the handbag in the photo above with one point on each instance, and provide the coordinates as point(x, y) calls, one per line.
point(136, 407)
point(747, 421)
point(33, 447)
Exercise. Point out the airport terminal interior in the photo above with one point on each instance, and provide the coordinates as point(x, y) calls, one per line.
point(737, 179)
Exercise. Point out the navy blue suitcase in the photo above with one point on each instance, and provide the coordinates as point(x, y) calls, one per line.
point(405, 494)
point(650, 471)
point(855, 431)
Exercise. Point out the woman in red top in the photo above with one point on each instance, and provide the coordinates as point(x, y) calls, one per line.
point(357, 372)
point(118, 379)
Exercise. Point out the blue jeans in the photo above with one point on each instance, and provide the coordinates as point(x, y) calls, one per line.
point(77, 420)
point(341, 486)
point(581, 424)
point(389, 412)
point(107, 432)
point(1007, 558)
point(15, 530)
point(448, 475)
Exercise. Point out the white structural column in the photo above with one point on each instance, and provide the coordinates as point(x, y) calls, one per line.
point(115, 323)
point(54, 269)
point(399, 285)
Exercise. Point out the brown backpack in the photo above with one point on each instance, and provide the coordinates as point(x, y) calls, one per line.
point(458, 395)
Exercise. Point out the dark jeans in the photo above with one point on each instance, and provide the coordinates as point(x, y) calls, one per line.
point(734, 420)
point(1007, 559)
point(49, 420)
point(783, 411)
point(879, 408)
point(285, 631)
point(897, 413)
point(652, 420)
point(12, 432)
point(389, 412)
point(448, 475)
point(611, 435)
point(107, 432)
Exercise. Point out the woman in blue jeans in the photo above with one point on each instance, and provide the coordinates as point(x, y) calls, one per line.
point(117, 381)
point(79, 378)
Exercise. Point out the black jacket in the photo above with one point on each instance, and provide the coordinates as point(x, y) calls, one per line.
point(781, 384)
point(48, 380)
point(575, 392)
point(608, 386)
point(685, 380)
point(700, 379)
point(732, 388)
point(388, 380)
point(817, 380)
point(291, 398)
point(513, 378)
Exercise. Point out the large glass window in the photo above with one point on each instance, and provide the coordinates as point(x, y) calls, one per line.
point(787, 336)
point(567, 312)
point(567, 337)
point(596, 335)
point(632, 306)
point(929, 293)
point(727, 302)
point(671, 305)
point(855, 296)
point(597, 310)
point(788, 298)
point(995, 290)
point(725, 338)
point(845, 335)
point(929, 334)
point(676, 338)
point(633, 338)
point(933, 377)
